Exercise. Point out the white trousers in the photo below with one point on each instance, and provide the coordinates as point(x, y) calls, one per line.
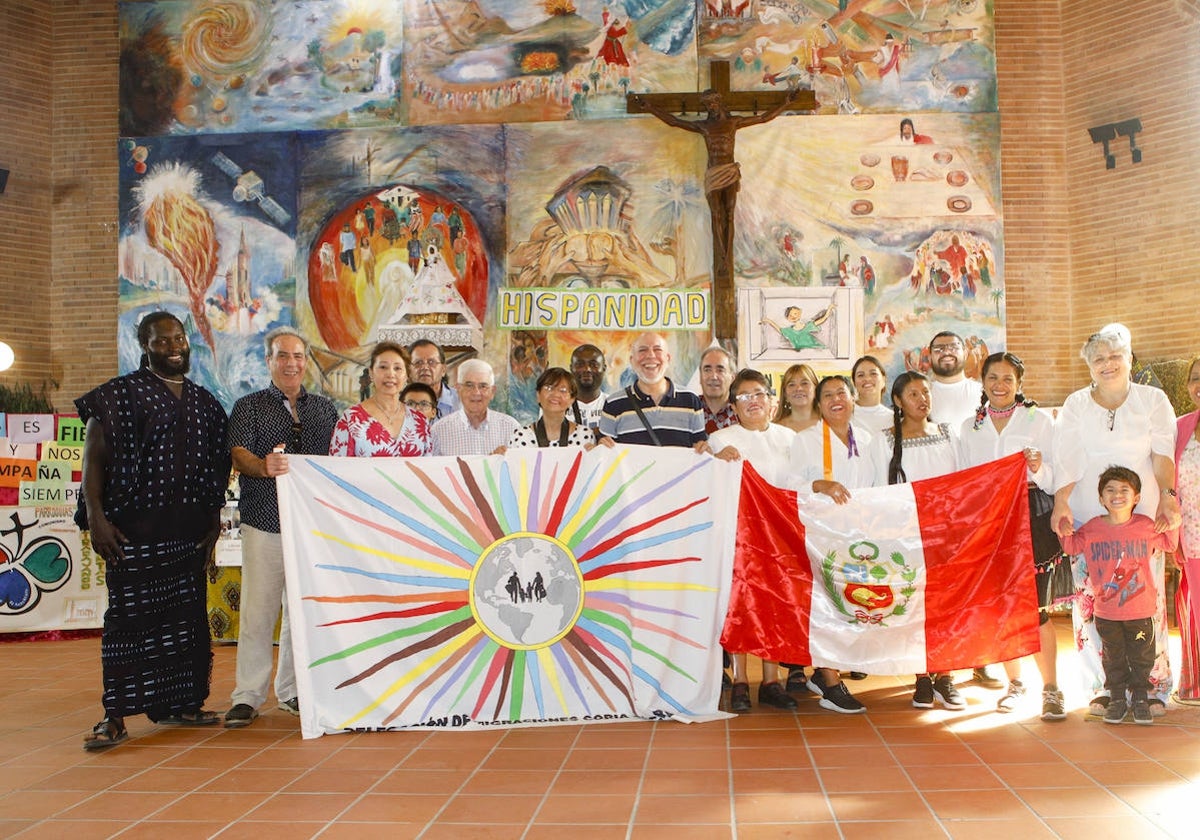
point(263, 597)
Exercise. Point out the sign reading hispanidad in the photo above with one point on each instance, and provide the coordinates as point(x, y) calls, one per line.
point(602, 309)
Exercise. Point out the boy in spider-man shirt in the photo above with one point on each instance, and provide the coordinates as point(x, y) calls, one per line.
point(1117, 549)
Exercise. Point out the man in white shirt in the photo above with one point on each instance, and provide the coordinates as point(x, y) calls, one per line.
point(588, 367)
point(475, 429)
point(955, 397)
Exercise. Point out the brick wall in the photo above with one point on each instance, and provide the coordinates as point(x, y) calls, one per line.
point(1135, 250)
point(1083, 245)
point(26, 75)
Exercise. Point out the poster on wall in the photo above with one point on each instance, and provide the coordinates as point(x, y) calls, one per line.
point(49, 578)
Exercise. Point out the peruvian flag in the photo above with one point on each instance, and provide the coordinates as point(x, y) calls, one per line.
point(907, 579)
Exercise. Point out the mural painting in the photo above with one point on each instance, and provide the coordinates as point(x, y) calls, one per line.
point(859, 56)
point(206, 66)
point(207, 228)
point(469, 61)
point(402, 233)
point(865, 227)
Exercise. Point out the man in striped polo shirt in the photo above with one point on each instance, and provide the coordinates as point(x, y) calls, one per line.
point(651, 412)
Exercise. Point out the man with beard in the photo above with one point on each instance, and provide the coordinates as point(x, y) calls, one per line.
point(427, 364)
point(264, 428)
point(955, 397)
point(476, 430)
point(588, 367)
point(716, 375)
point(155, 471)
point(651, 411)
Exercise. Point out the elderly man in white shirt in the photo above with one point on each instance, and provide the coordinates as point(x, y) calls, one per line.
point(474, 429)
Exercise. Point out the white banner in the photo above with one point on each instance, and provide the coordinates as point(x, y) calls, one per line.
point(544, 586)
point(49, 578)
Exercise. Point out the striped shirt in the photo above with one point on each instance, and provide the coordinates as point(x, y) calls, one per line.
point(678, 420)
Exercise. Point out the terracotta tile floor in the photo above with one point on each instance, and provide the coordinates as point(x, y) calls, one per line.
point(895, 772)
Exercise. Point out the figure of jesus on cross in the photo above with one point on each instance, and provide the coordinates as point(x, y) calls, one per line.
point(723, 175)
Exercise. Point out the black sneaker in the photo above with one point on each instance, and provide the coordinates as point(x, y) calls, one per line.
point(1141, 712)
point(1053, 707)
point(739, 698)
point(980, 676)
point(773, 694)
point(923, 694)
point(292, 706)
point(945, 693)
point(837, 698)
point(242, 714)
point(816, 683)
point(857, 675)
point(1116, 711)
point(797, 681)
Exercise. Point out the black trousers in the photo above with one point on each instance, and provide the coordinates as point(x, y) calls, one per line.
point(1127, 653)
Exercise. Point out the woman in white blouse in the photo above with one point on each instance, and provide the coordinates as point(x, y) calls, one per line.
point(1115, 421)
point(556, 393)
point(1006, 423)
point(921, 449)
point(834, 457)
point(754, 438)
point(870, 380)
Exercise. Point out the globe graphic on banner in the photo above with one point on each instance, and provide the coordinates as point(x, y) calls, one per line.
point(526, 591)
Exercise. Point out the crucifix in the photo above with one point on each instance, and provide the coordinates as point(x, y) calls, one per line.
point(723, 175)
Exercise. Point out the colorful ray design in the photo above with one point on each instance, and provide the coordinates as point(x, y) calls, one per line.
point(443, 633)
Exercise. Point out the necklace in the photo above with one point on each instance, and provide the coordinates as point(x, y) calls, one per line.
point(1001, 412)
point(390, 415)
point(178, 381)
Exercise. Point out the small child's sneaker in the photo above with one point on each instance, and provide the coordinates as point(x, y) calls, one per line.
point(1116, 711)
point(1141, 713)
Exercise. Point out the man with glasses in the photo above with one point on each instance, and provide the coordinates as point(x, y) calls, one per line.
point(476, 429)
point(427, 364)
point(652, 411)
point(588, 367)
point(265, 427)
point(716, 375)
point(955, 397)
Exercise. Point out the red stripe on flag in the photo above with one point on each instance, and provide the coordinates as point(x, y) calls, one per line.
point(772, 577)
point(980, 596)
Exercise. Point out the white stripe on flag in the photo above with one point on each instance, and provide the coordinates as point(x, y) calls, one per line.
point(868, 604)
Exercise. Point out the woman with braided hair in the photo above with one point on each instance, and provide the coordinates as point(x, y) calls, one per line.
point(1005, 423)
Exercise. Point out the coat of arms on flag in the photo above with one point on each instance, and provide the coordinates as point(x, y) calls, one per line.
point(543, 586)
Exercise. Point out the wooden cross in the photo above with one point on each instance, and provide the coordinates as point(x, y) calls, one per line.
point(723, 176)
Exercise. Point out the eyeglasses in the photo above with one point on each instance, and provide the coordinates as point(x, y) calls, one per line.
point(474, 386)
point(946, 348)
point(556, 389)
point(421, 363)
point(419, 405)
point(753, 396)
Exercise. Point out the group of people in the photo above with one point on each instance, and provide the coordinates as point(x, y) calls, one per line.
point(159, 449)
